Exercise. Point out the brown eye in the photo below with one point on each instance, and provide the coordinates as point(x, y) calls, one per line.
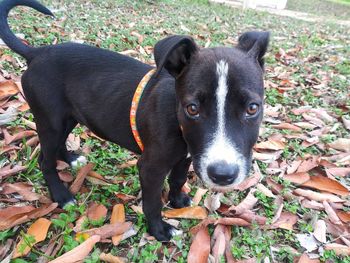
point(192, 110)
point(252, 109)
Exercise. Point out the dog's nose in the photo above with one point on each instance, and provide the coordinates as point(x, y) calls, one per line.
point(222, 173)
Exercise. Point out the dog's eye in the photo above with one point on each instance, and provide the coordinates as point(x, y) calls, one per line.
point(192, 110)
point(252, 109)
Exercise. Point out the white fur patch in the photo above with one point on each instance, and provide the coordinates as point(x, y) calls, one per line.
point(81, 160)
point(221, 147)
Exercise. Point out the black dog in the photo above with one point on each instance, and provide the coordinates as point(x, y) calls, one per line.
point(201, 105)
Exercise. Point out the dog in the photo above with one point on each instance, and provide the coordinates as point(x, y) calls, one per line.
point(201, 105)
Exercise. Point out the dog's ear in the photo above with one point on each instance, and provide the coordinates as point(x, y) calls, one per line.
point(255, 44)
point(174, 53)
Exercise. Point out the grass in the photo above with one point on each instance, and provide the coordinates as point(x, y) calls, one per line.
point(109, 24)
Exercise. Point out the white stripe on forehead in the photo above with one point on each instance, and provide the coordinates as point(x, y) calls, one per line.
point(221, 148)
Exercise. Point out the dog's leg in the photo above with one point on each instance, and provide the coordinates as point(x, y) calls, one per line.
point(152, 175)
point(177, 179)
point(50, 141)
point(70, 157)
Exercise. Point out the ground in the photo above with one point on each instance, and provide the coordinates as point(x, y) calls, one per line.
point(307, 65)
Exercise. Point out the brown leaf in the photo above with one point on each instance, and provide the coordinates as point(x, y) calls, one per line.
point(219, 242)
point(79, 180)
point(204, 223)
point(232, 221)
point(340, 250)
point(286, 126)
point(344, 216)
point(108, 230)
point(307, 165)
point(25, 191)
point(286, 221)
point(247, 204)
point(326, 184)
point(78, 253)
point(198, 196)
point(251, 217)
point(320, 229)
point(96, 211)
point(14, 210)
point(128, 164)
point(20, 218)
point(4, 173)
point(346, 123)
point(332, 215)
point(79, 223)
point(338, 171)
point(249, 182)
point(194, 212)
point(7, 89)
point(305, 259)
point(19, 136)
point(312, 204)
point(297, 178)
point(39, 231)
point(66, 176)
point(318, 196)
point(124, 197)
point(200, 247)
point(341, 144)
point(118, 216)
point(110, 258)
point(270, 145)
point(262, 188)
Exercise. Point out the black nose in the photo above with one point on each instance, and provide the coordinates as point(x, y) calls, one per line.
point(222, 173)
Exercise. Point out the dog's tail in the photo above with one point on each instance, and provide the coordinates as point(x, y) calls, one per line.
point(8, 36)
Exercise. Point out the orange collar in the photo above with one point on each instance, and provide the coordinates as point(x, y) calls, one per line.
point(135, 104)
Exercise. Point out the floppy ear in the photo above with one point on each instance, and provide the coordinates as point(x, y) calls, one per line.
point(174, 53)
point(255, 44)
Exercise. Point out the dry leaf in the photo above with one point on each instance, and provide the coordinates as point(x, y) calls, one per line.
point(286, 126)
point(340, 250)
point(262, 188)
point(286, 221)
point(247, 204)
point(305, 259)
point(38, 230)
point(124, 197)
point(108, 230)
point(232, 221)
point(332, 215)
point(341, 144)
point(96, 211)
point(79, 180)
point(338, 171)
point(297, 178)
point(270, 145)
point(251, 217)
point(320, 229)
point(200, 247)
point(326, 184)
point(318, 196)
point(128, 164)
point(118, 216)
point(110, 258)
point(307, 241)
point(249, 182)
point(344, 216)
point(195, 212)
point(66, 176)
point(198, 196)
point(78, 253)
point(219, 242)
point(307, 165)
point(212, 201)
point(346, 123)
point(7, 89)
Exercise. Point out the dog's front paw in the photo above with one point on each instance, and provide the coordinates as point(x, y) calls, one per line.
point(180, 200)
point(162, 231)
point(61, 195)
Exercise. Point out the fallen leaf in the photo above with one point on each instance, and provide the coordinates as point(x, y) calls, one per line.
point(20, 218)
point(124, 197)
point(332, 215)
point(25, 191)
point(249, 182)
point(212, 201)
point(7, 89)
point(200, 247)
point(108, 230)
point(96, 212)
point(110, 258)
point(262, 188)
point(247, 204)
point(307, 165)
point(286, 221)
point(194, 212)
point(270, 145)
point(305, 259)
point(79, 180)
point(9, 172)
point(38, 230)
point(232, 221)
point(318, 196)
point(251, 217)
point(66, 176)
point(286, 126)
point(128, 164)
point(341, 144)
point(312, 204)
point(326, 184)
point(198, 195)
point(338, 171)
point(79, 223)
point(78, 253)
point(307, 241)
point(346, 123)
point(297, 178)
point(344, 216)
point(340, 250)
point(320, 229)
point(219, 242)
point(118, 216)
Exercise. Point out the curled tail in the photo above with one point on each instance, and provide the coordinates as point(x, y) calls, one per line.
point(7, 35)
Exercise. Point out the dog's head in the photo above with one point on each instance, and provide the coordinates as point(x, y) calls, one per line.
point(219, 102)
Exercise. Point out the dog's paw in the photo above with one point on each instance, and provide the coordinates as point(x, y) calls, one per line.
point(179, 200)
point(79, 161)
point(61, 195)
point(162, 231)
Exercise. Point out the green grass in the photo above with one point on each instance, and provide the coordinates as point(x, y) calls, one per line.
point(108, 24)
